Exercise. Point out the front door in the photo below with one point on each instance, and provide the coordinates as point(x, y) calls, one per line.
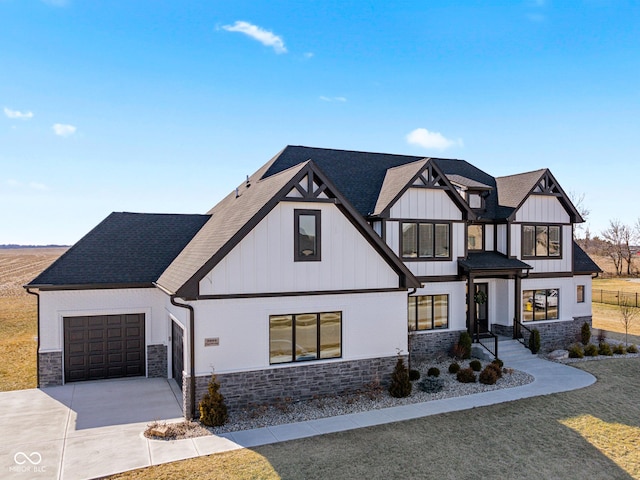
point(482, 306)
point(177, 355)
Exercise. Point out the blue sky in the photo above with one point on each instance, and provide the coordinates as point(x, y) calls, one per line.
point(166, 106)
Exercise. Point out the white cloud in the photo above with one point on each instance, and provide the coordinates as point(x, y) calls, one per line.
point(257, 33)
point(38, 186)
point(308, 54)
point(13, 183)
point(333, 99)
point(16, 114)
point(426, 139)
point(63, 130)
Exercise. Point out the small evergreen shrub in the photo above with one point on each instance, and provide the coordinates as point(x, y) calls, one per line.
point(454, 368)
point(433, 372)
point(465, 342)
point(575, 351)
point(488, 376)
point(632, 349)
point(534, 341)
point(431, 385)
point(496, 368)
point(605, 349)
point(400, 384)
point(414, 375)
point(591, 350)
point(466, 375)
point(619, 349)
point(475, 365)
point(585, 334)
point(213, 410)
point(498, 362)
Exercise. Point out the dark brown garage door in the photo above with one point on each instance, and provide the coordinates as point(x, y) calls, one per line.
point(104, 346)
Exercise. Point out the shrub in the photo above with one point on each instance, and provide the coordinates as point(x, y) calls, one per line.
point(213, 410)
point(591, 350)
point(605, 349)
point(602, 335)
point(498, 362)
point(431, 385)
point(414, 375)
point(632, 349)
point(457, 351)
point(454, 368)
point(433, 372)
point(466, 375)
point(585, 334)
point(496, 368)
point(400, 384)
point(619, 349)
point(534, 341)
point(575, 351)
point(475, 365)
point(465, 342)
point(488, 376)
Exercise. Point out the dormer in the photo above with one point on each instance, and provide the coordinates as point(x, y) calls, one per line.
point(473, 192)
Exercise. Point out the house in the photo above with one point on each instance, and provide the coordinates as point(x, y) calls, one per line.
point(301, 281)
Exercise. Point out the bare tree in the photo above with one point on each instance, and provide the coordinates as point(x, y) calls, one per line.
point(628, 314)
point(578, 201)
point(616, 246)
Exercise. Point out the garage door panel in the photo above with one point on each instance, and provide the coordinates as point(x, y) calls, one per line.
point(104, 346)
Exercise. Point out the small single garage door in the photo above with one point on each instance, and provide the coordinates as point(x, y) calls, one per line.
point(104, 346)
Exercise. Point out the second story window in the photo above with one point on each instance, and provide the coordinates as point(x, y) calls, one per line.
point(475, 237)
point(307, 235)
point(425, 241)
point(541, 241)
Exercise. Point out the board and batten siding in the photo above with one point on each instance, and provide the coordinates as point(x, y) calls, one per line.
point(374, 325)
point(425, 204)
point(263, 261)
point(501, 241)
point(547, 265)
point(542, 209)
point(489, 237)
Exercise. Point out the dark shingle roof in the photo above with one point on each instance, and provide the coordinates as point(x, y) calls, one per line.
point(125, 248)
point(491, 261)
point(582, 262)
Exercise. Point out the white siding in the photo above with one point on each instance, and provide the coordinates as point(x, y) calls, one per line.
point(542, 209)
point(373, 325)
point(427, 204)
point(565, 264)
point(502, 239)
point(393, 236)
point(457, 305)
point(377, 227)
point(488, 238)
point(263, 261)
point(582, 309)
point(566, 286)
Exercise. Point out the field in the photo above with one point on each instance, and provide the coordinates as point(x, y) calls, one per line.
point(607, 317)
point(18, 314)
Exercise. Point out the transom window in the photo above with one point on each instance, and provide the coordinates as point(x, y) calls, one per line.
point(541, 241)
point(307, 235)
point(305, 336)
point(475, 237)
point(540, 304)
point(425, 240)
point(428, 312)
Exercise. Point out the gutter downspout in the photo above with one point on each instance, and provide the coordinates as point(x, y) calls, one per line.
point(37, 295)
point(192, 355)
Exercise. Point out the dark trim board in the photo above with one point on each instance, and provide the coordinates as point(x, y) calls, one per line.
point(296, 294)
point(550, 275)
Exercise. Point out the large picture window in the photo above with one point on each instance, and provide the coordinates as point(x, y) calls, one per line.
point(429, 312)
point(422, 240)
point(307, 235)
point(306, 336)
point(540, 304)
point(541, 241)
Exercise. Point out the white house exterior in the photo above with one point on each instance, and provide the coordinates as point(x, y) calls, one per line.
point(299, 282)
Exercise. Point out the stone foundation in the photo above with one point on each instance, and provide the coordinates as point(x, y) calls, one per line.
point(50, 374)
point(502, 330)
point(556, 335)
point(157, 361)
point(297, 382)
point(432, 344)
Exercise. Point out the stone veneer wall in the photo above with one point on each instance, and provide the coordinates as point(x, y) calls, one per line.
point(50, 374)
point(157, 361)
point(555, 335)
point(431, 344)
point(502, 330)
point(297, 382)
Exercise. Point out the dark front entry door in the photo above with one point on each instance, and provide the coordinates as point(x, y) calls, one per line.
point(177, 355)
point(482, 309)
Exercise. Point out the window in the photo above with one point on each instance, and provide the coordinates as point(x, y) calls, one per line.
point(474, 237)
point(540, 304)
point(541, 241)
point(307, 235)
point(429, 312)
point(580, 294)
point(475, 201)
point(422, 240)
point(306, 336)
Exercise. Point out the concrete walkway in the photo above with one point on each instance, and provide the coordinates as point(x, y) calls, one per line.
point(92, 429)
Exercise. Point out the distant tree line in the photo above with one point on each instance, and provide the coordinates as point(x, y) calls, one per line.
point(618, 242)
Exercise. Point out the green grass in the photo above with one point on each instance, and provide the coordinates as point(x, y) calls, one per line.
point(589, 433)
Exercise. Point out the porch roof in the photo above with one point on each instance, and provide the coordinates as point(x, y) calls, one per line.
point(490, 261)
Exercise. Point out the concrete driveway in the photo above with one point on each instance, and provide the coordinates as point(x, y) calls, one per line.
point(84, 429)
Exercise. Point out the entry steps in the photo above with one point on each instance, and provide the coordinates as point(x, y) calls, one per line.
point(509, 351)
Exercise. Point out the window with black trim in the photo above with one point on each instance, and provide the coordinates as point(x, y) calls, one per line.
point(541, 241)
point(580, 293)
point(428, 312)
point(305, 336)
point(540, 304)
point(307, 235)
point(425, 240)
point(475, 239)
